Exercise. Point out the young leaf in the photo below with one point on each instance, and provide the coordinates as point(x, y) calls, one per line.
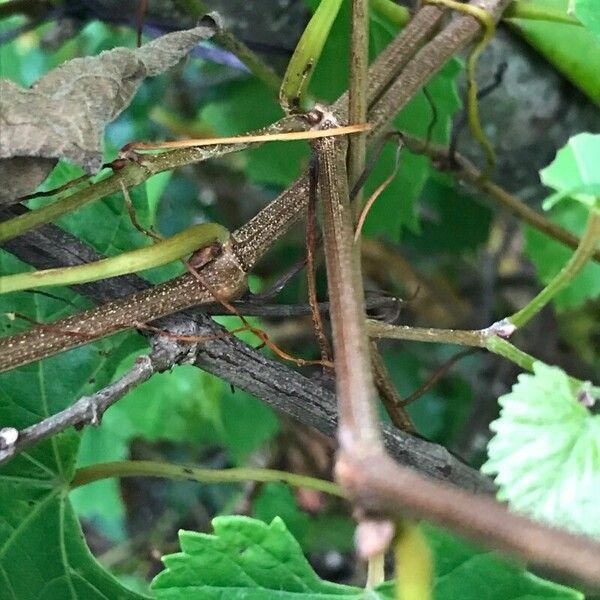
point(245, 559)
point(546, 452)
point(574, 172)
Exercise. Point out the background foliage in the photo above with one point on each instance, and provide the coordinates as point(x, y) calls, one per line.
point(467, 261)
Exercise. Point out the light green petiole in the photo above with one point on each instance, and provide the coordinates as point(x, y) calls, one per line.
point(160, 253)
point(394, 13)
point(306, 55)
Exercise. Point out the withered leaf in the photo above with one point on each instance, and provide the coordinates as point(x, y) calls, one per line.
point(63, 114)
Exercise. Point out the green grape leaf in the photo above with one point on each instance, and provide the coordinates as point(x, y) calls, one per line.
point(278, 500)
point(444, 228)
point(573, 50)
point(251, 560)
point(246, 559)
point(546, 452)
point(587, 12)
point(42, 551)
point(465, 571)
point(574, 172)
point(549, 257)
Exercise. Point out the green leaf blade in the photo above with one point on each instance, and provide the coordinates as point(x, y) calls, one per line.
point(546, 452)
point(245, 559)
point(574, 172)
point(42, 551)
point(587, 12)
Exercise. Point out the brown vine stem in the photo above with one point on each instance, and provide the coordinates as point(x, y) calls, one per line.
point(358, 428)
point(386, 488)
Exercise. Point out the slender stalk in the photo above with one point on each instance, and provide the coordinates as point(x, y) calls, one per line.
point(375, 570)
point(161, 253)
point(255, 64)
point(585, 250)
point(292, 95)
point(357, 90)
point(488, 338)
point(387, 391)
point(521, 9)
point(460, 337)
point(504, 348)
point(149, 468)
point(414, 563)
point(488, 24)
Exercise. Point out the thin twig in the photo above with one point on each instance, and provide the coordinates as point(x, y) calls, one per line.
point(88, 410)
point(311, 269)
point(387, 391)
point(439, 373)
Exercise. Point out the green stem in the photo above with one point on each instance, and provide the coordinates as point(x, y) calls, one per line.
point(583, 253)
point(149, 468)
point(488, 25)
point(521, 9)
point(227, 40)
point(460, 337)
point(504, 348)
point(479, 338)
point(255, 64)
point(396, 14)
point(132, 174)
point(156, 255)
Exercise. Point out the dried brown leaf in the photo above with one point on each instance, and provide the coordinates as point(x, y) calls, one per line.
point(63, 115)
